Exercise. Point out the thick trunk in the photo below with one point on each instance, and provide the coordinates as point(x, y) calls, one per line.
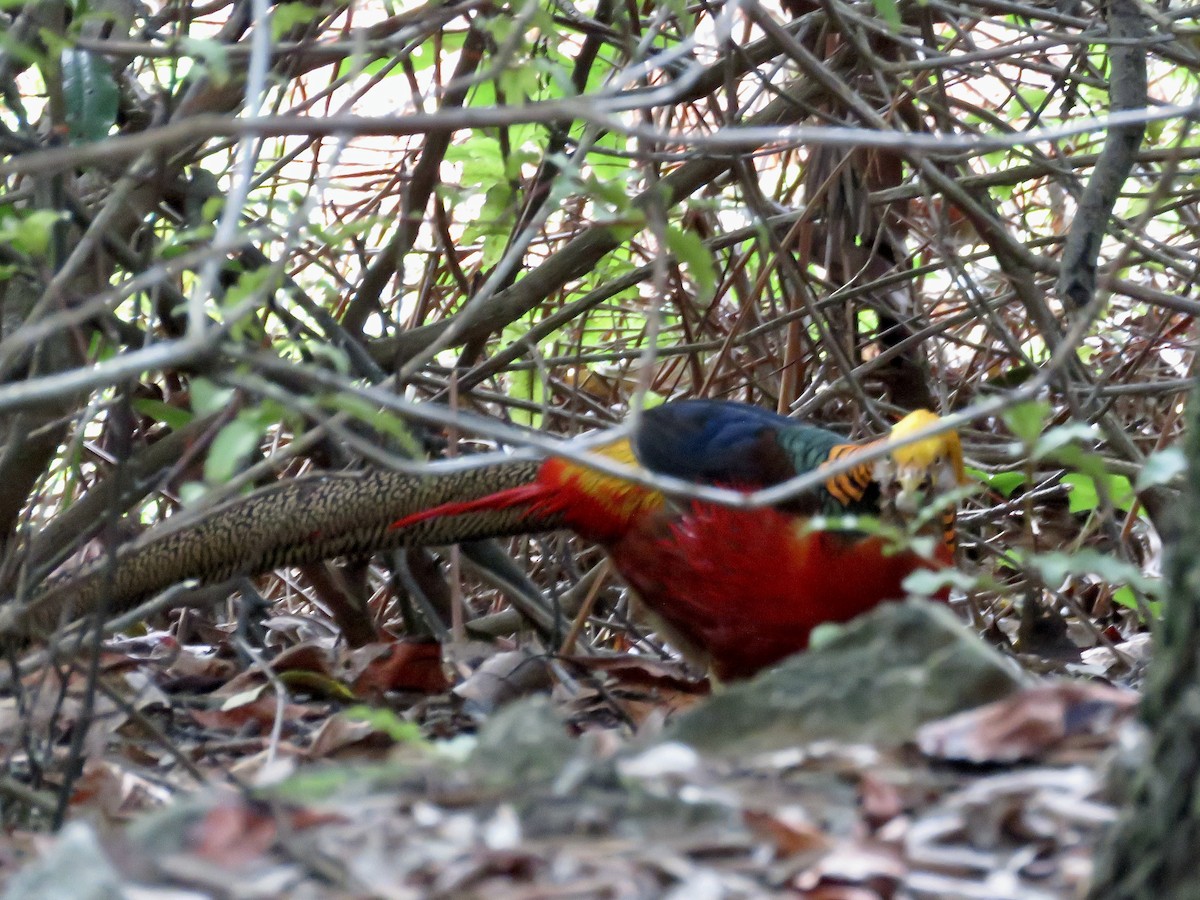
point(1154, 851)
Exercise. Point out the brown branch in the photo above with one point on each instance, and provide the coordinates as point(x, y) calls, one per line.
point(1127, 90)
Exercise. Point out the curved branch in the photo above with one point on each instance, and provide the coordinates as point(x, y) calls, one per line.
point(1127, 90)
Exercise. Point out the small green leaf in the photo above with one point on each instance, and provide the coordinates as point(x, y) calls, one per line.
point(690, 250)
point(90, 95)
point(30, 233)
point(383, 720)
point(1005, 482)
point(889, 12)
point(232, 444)
point(448, 42)
point(526, 384)
point(1055, 567)
point(1062, 436)
point(334, 355)
point(255, 282)
point(286, 16)
point(924, 583)
point(170, 415)
point(383, 421)
point(211, 55)
point(1027, 420)
point(192, 492)
point(207, 398)
point(1085, 495)
point(1075, 457)
point(1011, 558)
point(1161, 467)
point(1124, 596)
point(519, 82)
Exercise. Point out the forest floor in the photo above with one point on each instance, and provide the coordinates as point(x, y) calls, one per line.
point(901, 757)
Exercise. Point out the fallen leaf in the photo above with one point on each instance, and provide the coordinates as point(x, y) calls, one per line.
point(631, 670)
point(341, 732)
point(401, 666)
point(1028, 724)
point(503, 678)
point(262, 710)
point(787, 830)
point(880, 800)
point(234, 833)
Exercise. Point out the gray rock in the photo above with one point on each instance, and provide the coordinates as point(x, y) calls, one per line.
point(76, 868)
point(525, 742)
point(877, 680)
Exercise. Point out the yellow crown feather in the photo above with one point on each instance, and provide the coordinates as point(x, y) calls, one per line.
point(928, 452)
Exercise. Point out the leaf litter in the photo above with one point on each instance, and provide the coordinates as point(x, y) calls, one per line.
point(367, 773)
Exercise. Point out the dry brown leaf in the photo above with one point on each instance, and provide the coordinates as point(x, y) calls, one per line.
point(787, 830)
point(404, 665)
point(1028, 724)
point(340, 733)
point(234, 833)
point(503, 678)
point(262, 709)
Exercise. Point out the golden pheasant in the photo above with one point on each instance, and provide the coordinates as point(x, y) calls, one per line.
point(739, 588)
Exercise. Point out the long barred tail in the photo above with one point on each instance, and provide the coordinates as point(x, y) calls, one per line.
point(293, 523)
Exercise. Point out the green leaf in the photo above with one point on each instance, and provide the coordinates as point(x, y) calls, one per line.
point(1027, 420)
point(868, 321)
point(1124, 596)
point(211, 55)
point(207, 398)
point(313, 785)
point(690, 250)
point(924, 583)
point(889, 12)
point(353, 65)
point(254, 282)
point(163, 412)
point(426, 54)
point(382, 421)
point(337, 358)
point(192, 492)
point(1079, 459)
point(1062, 444)
point(1161, 467)
point(30, 233)
point(1063, 436)
point(519, 82)
point(1085, 495)
point(1055, 567)
point(526, 384)
point(286, 16)
point(1005, 482)
point(90, 95)
point(232, 444)
point(383, 720)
